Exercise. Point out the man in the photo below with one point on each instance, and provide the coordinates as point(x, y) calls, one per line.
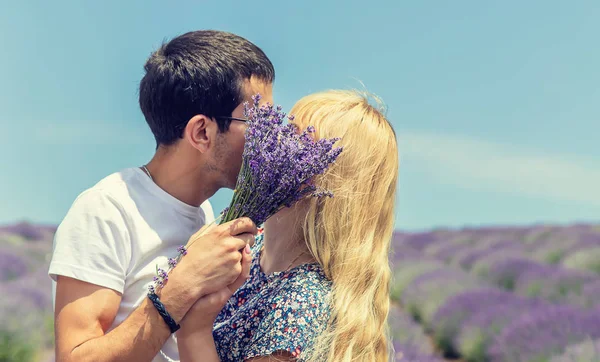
point(107, 248)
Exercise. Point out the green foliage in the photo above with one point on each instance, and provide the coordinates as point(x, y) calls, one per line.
point(585, 259)
point(15, 348)
point(408, 271)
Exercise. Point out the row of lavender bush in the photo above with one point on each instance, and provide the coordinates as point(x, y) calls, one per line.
point(498, 295)
point(26, 323)
point(26, 329)
point(506, 294)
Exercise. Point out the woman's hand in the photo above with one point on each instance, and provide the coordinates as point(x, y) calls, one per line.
point(194, 339)
point(202, 315)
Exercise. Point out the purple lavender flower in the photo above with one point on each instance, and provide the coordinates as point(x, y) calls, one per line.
point(408, 332)
point(407, 271)
point(278, 165)
point(552, 283)
point(506, 272)
point(428, 292)
point(35, 287)
point(26, 307)
point(182, 250)
point(587, 297)
point(446, 251)
point(26, 230)
point(12, 266)
point(552, 237)
point(404, 353)
point(544, 332)
point(583, 243)
point(163, 277)
point(450, 317)
point(552, 252)
point(591, 291)
point(485, 324)
point(482, 266)
point(417, 241)
point(562, 242)
point(470, 257)
point(402, 252)
point(538, 233)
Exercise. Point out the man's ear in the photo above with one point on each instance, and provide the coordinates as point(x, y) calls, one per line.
point(200, 132)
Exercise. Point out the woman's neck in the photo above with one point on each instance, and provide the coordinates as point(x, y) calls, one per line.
point(284, 246)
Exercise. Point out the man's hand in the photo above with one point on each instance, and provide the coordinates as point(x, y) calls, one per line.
point(201, 316)
point(213, 262)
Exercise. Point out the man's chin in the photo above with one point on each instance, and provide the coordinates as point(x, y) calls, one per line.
point(231, 185)
point(232, 182)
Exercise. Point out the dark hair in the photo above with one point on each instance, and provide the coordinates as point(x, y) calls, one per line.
point(200, 72)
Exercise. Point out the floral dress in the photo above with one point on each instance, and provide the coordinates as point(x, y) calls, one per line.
point(283, 311)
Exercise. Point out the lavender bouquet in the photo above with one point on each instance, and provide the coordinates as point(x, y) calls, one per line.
point(278, 165)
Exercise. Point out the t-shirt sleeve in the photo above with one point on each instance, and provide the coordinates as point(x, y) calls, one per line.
point(294, 322)
point(92, 243)
point(209, 215)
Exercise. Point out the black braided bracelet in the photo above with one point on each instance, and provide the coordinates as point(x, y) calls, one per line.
point(173, 326)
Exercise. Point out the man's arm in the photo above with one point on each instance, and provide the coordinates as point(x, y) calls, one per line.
point(85, 311)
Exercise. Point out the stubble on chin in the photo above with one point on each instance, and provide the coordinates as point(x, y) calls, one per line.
point(222, 165)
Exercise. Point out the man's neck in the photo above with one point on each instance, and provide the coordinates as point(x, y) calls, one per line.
point(182, 179)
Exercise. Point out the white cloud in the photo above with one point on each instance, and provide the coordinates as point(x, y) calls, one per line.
point(480, 165)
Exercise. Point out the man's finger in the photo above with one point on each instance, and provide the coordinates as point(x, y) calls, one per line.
point(203, 231)
point(241, 226)
point(244, 239)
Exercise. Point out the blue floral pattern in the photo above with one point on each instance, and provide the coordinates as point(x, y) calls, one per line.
point(283, 311)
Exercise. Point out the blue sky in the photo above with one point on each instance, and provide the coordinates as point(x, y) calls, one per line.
point(496, 104)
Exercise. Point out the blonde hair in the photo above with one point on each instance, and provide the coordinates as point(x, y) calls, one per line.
point(349, 235)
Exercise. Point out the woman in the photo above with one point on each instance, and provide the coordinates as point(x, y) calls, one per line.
point(319, 277)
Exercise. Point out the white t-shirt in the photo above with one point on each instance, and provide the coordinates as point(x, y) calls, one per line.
point(117, 232)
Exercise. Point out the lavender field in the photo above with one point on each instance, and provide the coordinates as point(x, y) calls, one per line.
point(501, 295)
point(489, 294)
point(26, 323)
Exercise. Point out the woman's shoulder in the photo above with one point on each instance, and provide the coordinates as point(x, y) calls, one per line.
point(303, 286)
point(309, 278)
point(305, 289)
point(294, 313)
